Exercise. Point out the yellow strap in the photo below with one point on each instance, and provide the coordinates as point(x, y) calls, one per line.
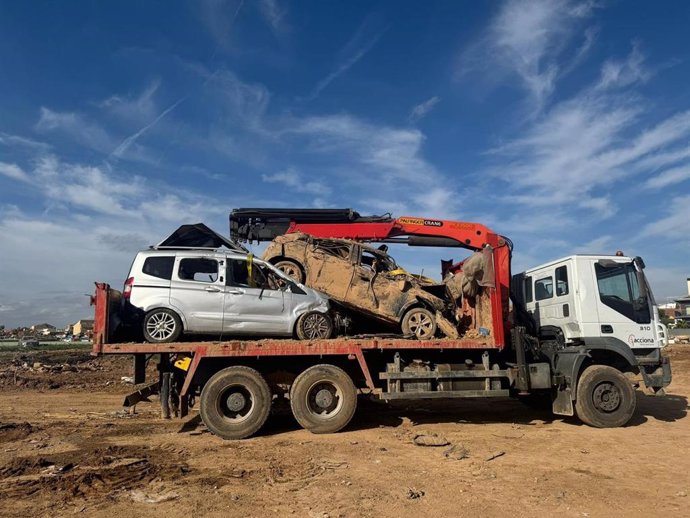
point(250, 271)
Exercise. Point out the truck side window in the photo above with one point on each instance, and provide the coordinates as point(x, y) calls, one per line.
point(543, 288)
point(561, 281)
point(200, 270)
point(528, 289)
point(161, 267)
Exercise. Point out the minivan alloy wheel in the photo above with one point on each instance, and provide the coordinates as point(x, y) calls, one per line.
point(162, 325)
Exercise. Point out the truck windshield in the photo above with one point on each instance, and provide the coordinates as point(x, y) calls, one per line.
point(619, 289)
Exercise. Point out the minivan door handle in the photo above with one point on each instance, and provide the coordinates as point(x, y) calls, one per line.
point(235, 292)
point(212, 289)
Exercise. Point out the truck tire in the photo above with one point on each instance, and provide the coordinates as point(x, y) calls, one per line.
point(605, 397)
point(323, 399)
point(235, 402)
point(291, 269)
point(314, 325)
point(419, 322)
point(161, 326)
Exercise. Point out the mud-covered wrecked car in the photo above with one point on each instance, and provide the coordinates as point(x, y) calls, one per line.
point(366, 280)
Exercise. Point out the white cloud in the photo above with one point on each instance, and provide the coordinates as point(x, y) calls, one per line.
point(76, 126)
point(296, 182)
point(220, 16)
point(527, 39)
point(140, 108)
point(617, 74)
point(674, 226)
point(364, 39)
point(598, 245)
point(13, 171)
point(424, 108)
point(583, 145)
point(274, 14)
point(121, 149)
point(669, 177)
point(18, 141)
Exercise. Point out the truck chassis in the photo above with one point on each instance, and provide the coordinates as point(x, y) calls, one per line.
point(238, 380)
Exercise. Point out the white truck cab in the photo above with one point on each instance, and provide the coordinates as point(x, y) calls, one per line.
point(592, 299)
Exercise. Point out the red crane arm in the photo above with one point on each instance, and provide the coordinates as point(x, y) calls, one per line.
point(473, 236)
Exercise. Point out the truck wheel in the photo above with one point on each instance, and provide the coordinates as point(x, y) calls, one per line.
point(235, 402)
point(162, 326)
point(605, 397)
point(323, 399)
point(314, 326)
point(291, 268)
point(419, 322)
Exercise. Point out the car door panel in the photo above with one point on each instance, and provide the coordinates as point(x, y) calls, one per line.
point(198, 296)
point(250, 309)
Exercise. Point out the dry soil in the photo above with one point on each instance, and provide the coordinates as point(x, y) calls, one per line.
point(67, 448)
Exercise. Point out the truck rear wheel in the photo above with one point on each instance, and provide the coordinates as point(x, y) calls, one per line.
point(235, 402)
point(605, 397)
point(323, 399)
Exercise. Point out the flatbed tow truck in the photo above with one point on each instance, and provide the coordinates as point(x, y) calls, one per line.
point(553, 349)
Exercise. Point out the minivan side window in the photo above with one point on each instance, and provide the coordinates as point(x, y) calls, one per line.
point(161, 267)
point(201, 270)
point(561, 281)
point(261, 277)
point(543, 288)
point(528, 289)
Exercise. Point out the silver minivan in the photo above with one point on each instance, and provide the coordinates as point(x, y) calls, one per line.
point(208, 290)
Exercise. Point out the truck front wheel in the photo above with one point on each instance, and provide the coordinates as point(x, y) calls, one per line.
point(235, 402)
point(605, 397)
point(323, 399)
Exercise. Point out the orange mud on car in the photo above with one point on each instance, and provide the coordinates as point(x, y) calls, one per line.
point(367, 280)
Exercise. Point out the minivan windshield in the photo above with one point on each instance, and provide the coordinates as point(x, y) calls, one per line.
point(619, 289)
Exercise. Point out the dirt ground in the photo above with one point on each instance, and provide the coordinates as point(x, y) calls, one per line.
point(67, 448)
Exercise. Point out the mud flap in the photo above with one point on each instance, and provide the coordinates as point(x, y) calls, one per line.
point(563, 403)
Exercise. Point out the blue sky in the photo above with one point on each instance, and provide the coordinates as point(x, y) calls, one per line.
point(564, 125)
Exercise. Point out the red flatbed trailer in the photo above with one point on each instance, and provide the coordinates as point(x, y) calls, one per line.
point(372, 363)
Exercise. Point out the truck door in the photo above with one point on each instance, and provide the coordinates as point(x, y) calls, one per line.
point(623, 307)
point(196, 290)
point(551, 300)
point(252, 303)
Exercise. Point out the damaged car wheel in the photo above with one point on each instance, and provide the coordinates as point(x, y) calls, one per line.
point(419, 322)
point(291, 269)
point(314, 326)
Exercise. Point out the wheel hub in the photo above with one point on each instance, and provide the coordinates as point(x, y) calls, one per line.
point(236, 402)
point(607, 397)
point(323, 398)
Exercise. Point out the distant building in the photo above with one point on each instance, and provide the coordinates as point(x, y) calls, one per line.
point(683, 311)
point(668, 310)
point(83, 327)
point(40, 328)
